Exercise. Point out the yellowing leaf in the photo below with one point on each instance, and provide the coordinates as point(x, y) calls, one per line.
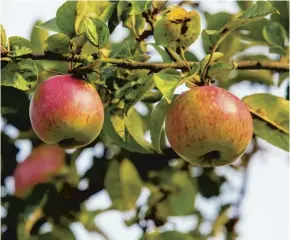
point(271, 118)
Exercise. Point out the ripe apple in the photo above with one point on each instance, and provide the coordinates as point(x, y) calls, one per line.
point(40, 166)
point(208, 126)
point(66, 111)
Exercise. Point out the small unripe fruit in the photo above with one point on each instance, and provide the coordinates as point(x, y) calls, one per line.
point(66, 111)
point(40, 166)
point(208, 126)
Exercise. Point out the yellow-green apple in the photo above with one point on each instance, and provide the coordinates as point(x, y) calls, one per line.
point(40, 166)
point(208, 126)
point(66, 111)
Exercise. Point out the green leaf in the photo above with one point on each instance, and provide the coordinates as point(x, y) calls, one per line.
point(78, 42)
point(272, 135)
point(282, 77)
point(214, 22)
point(257, 12)
point(283, 17)
point(205, 60)
point(66, 16)
point(137, 7)
point(38, 37)
point(107, 14)
point(168, 235)
point(271, 118)
point(220, 69)
point(181, 202)
point(3, 36)
point(58, 43)
point(278, 50)
point(135, 125)
point(50, 25)
point(275, 34)
point(164, 55)
point(141, 92)
point(131, 184)
point(178, 28)
point(244, 5)
point(123, 184)
point(22, 75)
point(254, 76)
point(113, 185)
point(158, 116)
point(19, 46)
point(166, 81)
point(110, 131)
point(96, 31)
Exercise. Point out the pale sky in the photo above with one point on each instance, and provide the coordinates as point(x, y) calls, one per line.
point(265, 212)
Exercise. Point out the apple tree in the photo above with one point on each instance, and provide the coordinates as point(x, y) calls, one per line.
point(70, 88)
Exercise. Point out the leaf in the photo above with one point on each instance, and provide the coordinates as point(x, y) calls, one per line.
point(158, 116)
point(141, 92)
point(178, 28)
point(113, 185)
point(283, 16)
point(220, 69)
point(272, 118)
point(135, 125)
point(214, 22)
point(66, 16)
point(137, 7)
point(19, 46)
point(244, 5)
point(168, 235)
point(109, 130)
point(38, 37)
point(282, 77)
point(22, 75)
point(50, 25)
point(119, 124)
point(96, 31)
point(256, 12)
point(205, 60)
point(123, 184)
point(58, 43)
point(131, 184)
point(278, 50)
point(275, 34)
point(181, 201)
point(3, 36)
point(78, 42)
point(272, 135)
point(107, 14)
point(164, 55)
point(254, 76)
point(166, 81)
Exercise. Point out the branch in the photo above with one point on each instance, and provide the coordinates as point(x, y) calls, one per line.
point(154, 66)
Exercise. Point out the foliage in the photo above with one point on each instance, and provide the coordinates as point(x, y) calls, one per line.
point(125, 78)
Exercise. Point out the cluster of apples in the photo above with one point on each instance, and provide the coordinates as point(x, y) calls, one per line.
point(207, 126)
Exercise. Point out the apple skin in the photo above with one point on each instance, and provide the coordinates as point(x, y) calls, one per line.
point(66, 111)
point(40, 166)
point(208, 126)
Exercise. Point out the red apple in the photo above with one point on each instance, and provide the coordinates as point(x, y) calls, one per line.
point(66, 111)
point(40, 166)
point(208, 126)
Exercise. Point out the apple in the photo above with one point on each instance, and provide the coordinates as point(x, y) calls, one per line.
point(208, 126)
point(66, 111)
point(40, 166)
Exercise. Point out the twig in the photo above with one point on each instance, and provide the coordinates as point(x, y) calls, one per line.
point(155, 66)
